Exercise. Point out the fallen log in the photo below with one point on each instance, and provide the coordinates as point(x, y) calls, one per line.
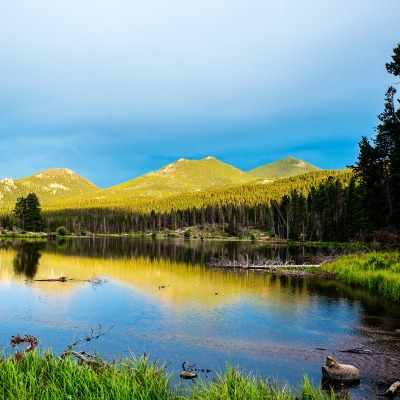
point(95, 280)
point(60, 279)
point(90, 359)
point(334, 371)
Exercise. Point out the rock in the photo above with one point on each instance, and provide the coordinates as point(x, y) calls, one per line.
point(334, 371)
point(188, 375)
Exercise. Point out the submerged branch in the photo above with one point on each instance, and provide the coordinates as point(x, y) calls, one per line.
point(244, 262)
point(95, 280)
point(83, 356)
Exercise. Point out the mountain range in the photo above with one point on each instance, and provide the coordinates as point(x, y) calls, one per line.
point(62, 188)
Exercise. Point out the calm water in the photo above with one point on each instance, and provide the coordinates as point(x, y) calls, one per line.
point(274, 326)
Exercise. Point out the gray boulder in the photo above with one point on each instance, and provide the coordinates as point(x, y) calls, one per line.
point(334, 371)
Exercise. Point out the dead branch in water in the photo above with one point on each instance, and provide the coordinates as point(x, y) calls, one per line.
point(95, 280)
point(60, 279)
point(244, 262)
point(83, 356)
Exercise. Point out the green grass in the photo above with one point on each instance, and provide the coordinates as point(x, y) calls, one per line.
point(43, 376)
point(24, 235)
point(47, 377)
point(289, 166)
point(379, 272)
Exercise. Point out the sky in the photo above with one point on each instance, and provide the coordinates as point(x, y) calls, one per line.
point(113, 89)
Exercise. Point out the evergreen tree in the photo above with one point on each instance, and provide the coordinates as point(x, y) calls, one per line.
point(378, 165)
point(20, 211)
point(28, 212)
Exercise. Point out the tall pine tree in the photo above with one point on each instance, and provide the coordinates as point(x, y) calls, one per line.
point(378, 164)
point(28, 212)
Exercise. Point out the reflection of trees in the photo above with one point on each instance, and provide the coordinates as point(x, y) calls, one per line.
point(27, 258)
point(189, 252)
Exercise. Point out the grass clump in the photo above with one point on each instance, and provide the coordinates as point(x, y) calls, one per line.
point(379, 272)
point(234, 385)
point(44, 376)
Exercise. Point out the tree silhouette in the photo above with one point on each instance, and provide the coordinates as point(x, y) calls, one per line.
point(28, 212)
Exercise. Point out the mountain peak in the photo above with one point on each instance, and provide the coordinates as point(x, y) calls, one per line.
point(182, 176)
point(288, 166)
point(49, 185)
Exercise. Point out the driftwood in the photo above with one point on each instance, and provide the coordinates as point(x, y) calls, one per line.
point(60, 279)
point(95, 280)
point(392, 389)
point(334, 371)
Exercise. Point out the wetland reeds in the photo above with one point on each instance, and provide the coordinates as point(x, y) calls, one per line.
point(378, 272)
point(44, 376)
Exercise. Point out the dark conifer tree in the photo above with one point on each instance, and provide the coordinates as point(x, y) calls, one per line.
point(28, 213)
point(378, 164)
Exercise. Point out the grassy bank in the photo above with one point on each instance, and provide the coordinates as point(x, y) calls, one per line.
point(45, 376)
point(379, 272)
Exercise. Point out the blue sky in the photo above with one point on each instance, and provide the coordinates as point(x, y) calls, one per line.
point(115, 89)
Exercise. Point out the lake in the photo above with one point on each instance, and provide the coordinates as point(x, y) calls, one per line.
point(162, 299)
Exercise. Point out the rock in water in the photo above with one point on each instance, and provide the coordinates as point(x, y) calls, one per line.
point(334, 371)
point(188, 375)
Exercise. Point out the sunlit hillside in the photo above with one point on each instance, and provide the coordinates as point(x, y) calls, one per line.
point(180, 176)
point(260, 191)
point(289, 166)
point(180, 185)
point(50, 186)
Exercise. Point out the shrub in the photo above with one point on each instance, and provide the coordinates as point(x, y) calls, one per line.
point(62, 231)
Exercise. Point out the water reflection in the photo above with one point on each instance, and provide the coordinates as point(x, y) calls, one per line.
point(203, 314)
point(27, 258)
point(189, 252)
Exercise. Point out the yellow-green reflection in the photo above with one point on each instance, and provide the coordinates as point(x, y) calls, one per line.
point(183, 284)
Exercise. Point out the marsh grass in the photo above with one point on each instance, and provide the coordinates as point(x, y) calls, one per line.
point(234, 385)
point(378, 272)
point(44, 376)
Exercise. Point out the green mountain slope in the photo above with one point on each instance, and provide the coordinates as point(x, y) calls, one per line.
point(289, 166)
point(249, 194)
point(180, 177)
point(50, 186)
